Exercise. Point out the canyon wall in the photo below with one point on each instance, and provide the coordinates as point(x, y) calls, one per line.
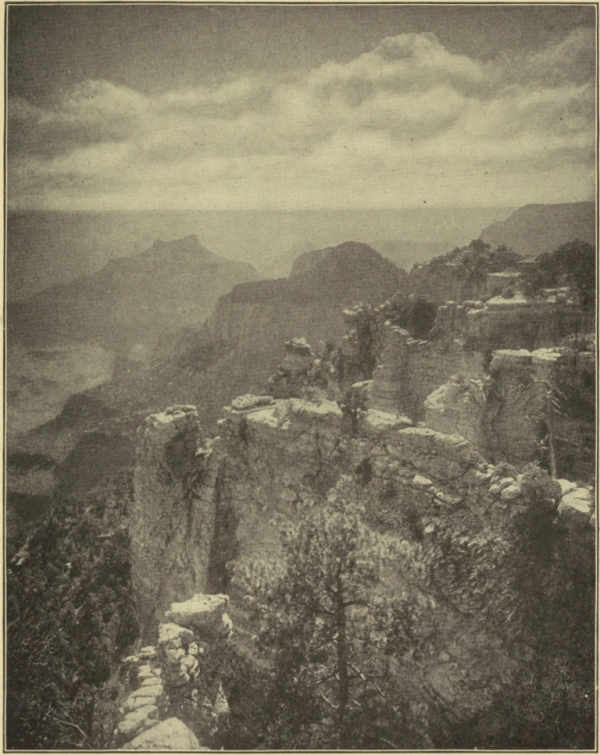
point(268, 458)
point(273, 454)
point(409, 370)
point(475, 378)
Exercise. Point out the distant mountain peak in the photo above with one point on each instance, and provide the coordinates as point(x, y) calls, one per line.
point(189, 245)
point(350, 252)
point(187, 242)
point(536, 228)
point(132, 299)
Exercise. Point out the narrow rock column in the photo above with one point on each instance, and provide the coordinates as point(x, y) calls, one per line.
point(173, 515)
point(390, 391)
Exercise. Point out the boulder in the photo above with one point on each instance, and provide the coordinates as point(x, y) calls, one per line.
point(421, 482)
point(171, 734)
point(142, 718)
point(249, 401)
point(174, 636)
point(202, 612)
point(566, 486)
point(577, 505)
point(510, 492)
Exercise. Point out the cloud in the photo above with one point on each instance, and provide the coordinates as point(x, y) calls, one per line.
point(405, 63)
point(407, 122)
point(573, 60)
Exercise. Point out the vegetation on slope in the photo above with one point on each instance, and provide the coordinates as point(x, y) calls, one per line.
point(70, 618)
point(347, 663)
point(572, 264)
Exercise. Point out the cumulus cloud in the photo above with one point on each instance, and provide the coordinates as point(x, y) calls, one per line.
point(405, 123)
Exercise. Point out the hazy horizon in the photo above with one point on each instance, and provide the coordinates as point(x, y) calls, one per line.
point(50, 247)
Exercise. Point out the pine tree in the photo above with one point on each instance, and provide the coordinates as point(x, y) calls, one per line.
point(331, 634)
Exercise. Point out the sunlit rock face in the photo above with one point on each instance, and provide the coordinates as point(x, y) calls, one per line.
point(199, 509)
point(410, 369)
point(457, 408)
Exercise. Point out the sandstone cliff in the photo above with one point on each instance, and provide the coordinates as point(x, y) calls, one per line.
point(507, 401)
point(174, 514)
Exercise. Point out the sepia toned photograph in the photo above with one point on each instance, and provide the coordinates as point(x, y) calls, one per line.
point(300, 377)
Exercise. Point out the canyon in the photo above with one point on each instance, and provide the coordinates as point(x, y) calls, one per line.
point(432, 398)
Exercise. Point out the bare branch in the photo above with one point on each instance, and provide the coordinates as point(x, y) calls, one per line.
point(327, 701)
point(74, 726)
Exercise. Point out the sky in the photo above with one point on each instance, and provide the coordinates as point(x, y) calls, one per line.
point(288, 107)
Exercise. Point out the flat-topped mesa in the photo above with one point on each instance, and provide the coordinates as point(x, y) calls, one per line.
point(173, 514)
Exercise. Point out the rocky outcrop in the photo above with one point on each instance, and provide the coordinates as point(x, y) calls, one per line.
point(459, 381)
point(527, 407)
point(409, 370)
point(519, 413)
point(171, 734)
point(271, 457)
point(519, 322)
point(193, 521)
point(299, 369)
point(457, 407)
point(510, 323)
point(177, 698)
